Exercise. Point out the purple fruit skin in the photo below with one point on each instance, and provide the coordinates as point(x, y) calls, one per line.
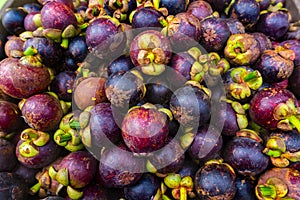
point(245, 156)
point(273, 25)
point(34, 79)
point(206, 145)
point(8, 159)
point(200, 9)
point(94, 192)
point(246, 11)
point(263, 104)
point(264, 42)
point(103, 125)
point(182, 62)
point(50, 51)
point(215, 34)
point(82, 167)
point(235, 26)
point(68, 3)
point(13, 20)
point(57, 16)
point(215, 181)
point(42, 112)
point(122, 63)
point(145, 188)
point(144, 130)
point(170, 159)
point(28, 174)
point(273, 67)
point(146, 17)
point(230, 124)
point(290, 138)
point(13, 44)
point(295, 46)
point(187, 34)
point(32, 7)
point(119, 168)
point(28, 22)
point(294, 82)
point(10, 117)
point(264, 4)
point(47, 154)
point(62, 83)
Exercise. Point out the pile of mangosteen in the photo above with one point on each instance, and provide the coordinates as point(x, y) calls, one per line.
point(150, 100)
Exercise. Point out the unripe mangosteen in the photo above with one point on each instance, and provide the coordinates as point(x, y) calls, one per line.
point(125, 89)
point(200, 9)
point(207, 144)
point(146, 188)
point(242, 49)
point(42, 112)
point(246, 11)
point(215, 180)
point(12, 187)
point(36, 149)
point(119, 168)
point(245, 153)
point(278, 183)
point(21, 78)
point(145, 130)
point(13, 20)
point(214, 34)
point(90, 92)
point(150, 51)
point(8, 159)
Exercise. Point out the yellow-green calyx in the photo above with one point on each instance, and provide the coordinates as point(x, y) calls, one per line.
point(274, 188)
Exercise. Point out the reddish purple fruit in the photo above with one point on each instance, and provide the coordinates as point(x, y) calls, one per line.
point(145, 130)
point(294, 82)
point(274, 108)
point(10, 118)
point(200, 9)
point(8, 159)
point(21, 78)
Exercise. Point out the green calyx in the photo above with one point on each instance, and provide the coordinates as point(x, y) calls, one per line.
point(274, 188)
point(86, 136)
point(74, 194)
point(37, 138)
point(27, 150)
point(32, 60)
point(62, 176)
point(288, 115)
point(172, 181)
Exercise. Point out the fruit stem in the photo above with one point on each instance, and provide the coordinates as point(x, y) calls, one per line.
point(183, 193)
point(252, 75)
point(63, 138)
point(30, 51)
point(75, 124)
point(34, 189)
point(268, 191)
point(295, 122)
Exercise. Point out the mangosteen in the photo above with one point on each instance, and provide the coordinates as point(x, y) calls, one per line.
point(294, 81)
point(235, 26)
point(89, 92)
point(278, 183)
point(145, 129)
point(150, 51)
point(21, 78)
point(10, 118)
point(13, 20)
point(283, 147)
point(8, 159)
point(118, 167)
point(244, 188)
point(214, 34)
point(14, 47)
point(94, 192)
point(245, 153)
point(120, 9)
point(276, 65)
point(146, 188)
point(12, 186)
point(36, 149)
point(32, 21)
point(215, 180)
point(122, 63)
point(263, 40)
point(246, 11)
point(28, 174)
point(42, 111)
point(63, 84)
point(32, 7)
point(125, 89)
point(293, 45)
point(242, 49)
point(78, 49)
point(200, 9)
point(146, 17)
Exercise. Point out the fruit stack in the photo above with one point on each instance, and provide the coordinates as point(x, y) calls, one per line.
point(150, 100)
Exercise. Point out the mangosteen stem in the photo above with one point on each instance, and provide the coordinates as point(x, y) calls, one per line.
point(295, 122)
point(267, 191)
point(34, 189)
point(183, 193)
point(75, 124)
point(251, 76)
point(30, 51)
point(63, 138)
